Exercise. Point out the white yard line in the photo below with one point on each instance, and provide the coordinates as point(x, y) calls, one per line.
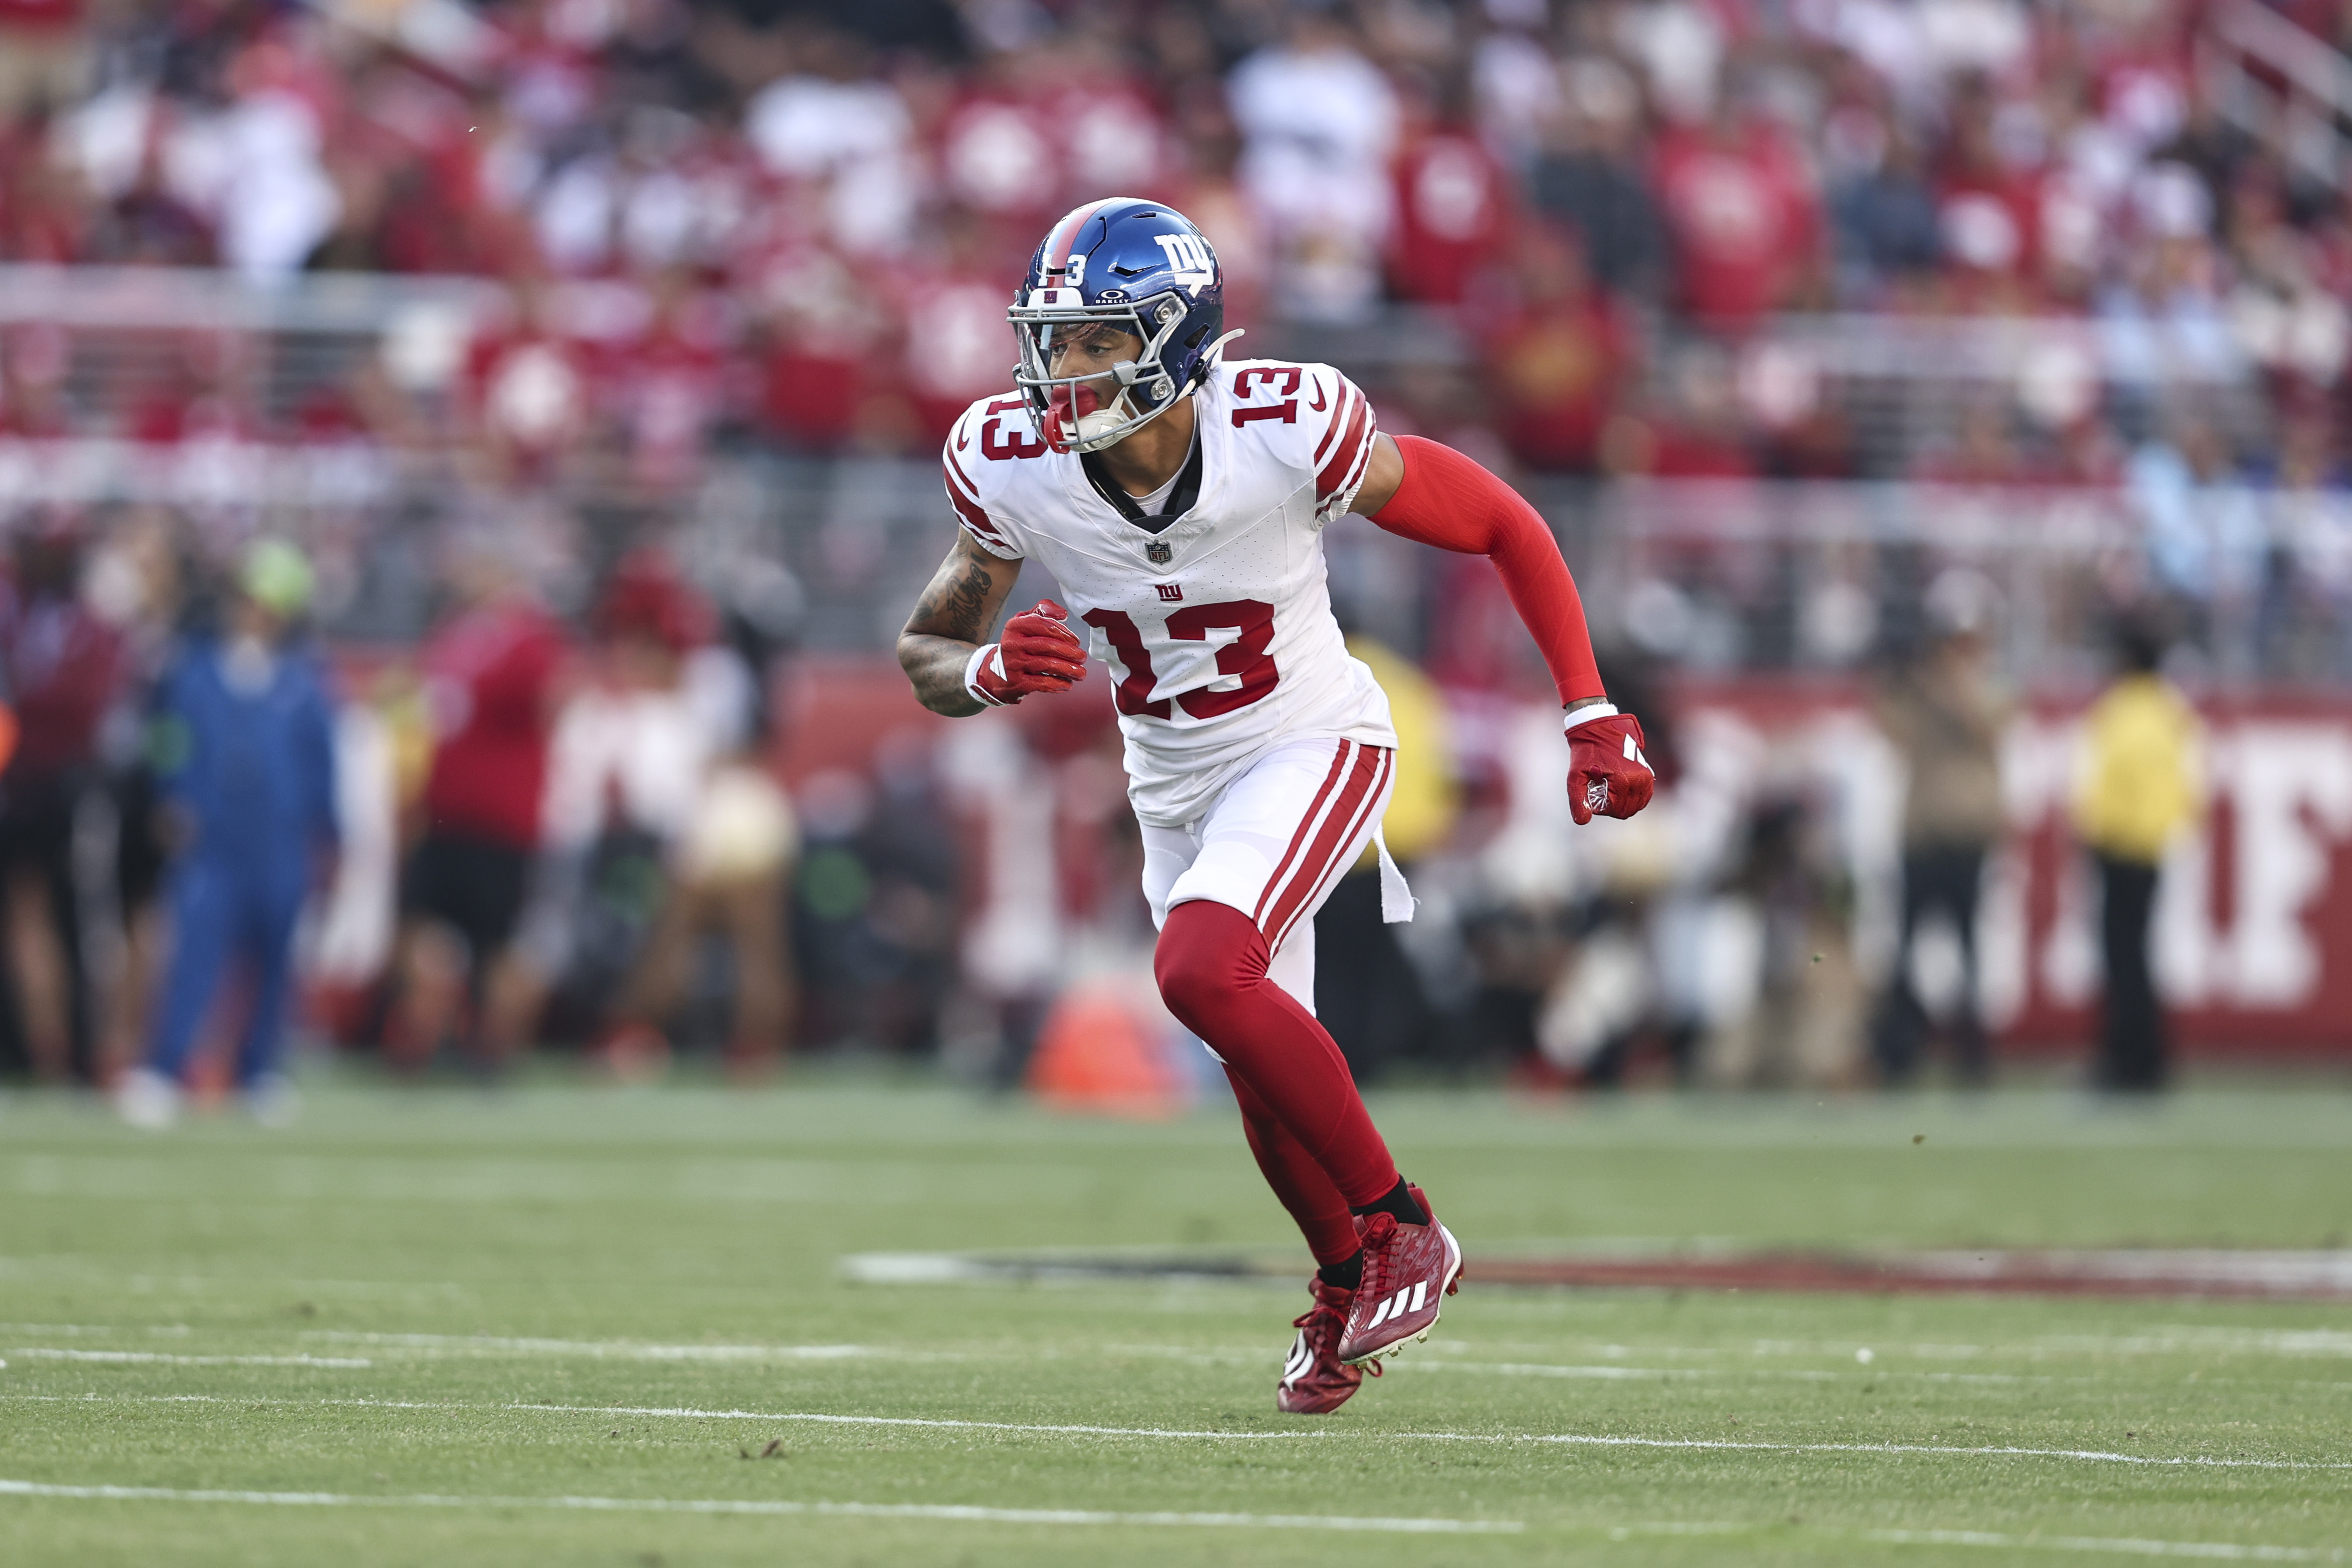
point(615, 1350)
point(2126, 1546)
point(1549, 1369)
point(50, 1353)
point(810, 1419)
point(2222, 1551)
point(2187, 1340)
point(1990, 1451)
point(1570, 1439)
point(946, 1512)
point(2120, 1546)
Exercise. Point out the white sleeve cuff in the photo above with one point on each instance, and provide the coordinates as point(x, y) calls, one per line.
point(994, 654)
point(1568, 721)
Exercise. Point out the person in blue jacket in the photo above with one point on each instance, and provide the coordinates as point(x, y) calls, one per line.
point(245, 754)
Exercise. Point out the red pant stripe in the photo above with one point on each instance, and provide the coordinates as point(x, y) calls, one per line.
point(1347, 808)
point(1305, 830)
point(1307, 889)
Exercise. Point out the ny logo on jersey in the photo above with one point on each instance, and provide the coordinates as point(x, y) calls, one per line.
point(1172, 594)
point(1189, 258)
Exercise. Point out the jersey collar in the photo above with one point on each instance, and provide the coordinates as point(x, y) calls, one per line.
point(1181, 500)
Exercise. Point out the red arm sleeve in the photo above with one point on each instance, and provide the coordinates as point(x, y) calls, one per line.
point(1447, 500)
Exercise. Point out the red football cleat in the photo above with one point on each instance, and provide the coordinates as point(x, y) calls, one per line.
point(1429, 1210)
point(1315, 1381)
point(1409, 1269)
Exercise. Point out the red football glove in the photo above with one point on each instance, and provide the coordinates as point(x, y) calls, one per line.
point(1606, 770)
point(1037, 653)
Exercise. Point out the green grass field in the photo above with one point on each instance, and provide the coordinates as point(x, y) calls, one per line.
point(548, 1326)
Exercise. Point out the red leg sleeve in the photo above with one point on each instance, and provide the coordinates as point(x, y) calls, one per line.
point(1322, 1215)
point(1210, 964)
point(1447, 500)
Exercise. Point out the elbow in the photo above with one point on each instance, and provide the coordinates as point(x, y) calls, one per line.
point(936, 674)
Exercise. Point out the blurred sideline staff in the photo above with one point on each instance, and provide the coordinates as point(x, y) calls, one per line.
point(660, 804)
point(245, 758)
point(494, 676)
point(61, 663)
point(1941, 714)
point(2140, 785)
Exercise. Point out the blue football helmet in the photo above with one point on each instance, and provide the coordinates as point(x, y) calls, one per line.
point(1138, 267)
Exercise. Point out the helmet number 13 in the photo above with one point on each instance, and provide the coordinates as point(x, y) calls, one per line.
point(1245, 657)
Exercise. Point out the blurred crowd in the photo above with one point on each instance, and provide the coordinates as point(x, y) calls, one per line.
point(1567, 238)
point(807, 217)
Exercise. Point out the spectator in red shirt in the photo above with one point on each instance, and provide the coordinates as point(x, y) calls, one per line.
point(1742, 216)
point(1987, 213)
point(669, 383)
point(954, 345)
point(531, 387)
point(1556, 360)
point(492, 675)
point(821, 335)
point(1453, 201)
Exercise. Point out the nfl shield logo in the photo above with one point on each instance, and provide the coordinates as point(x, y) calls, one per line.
point(1160, 552)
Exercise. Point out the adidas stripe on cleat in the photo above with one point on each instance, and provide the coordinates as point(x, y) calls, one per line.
point(1409, 1271)
point(1314, 1380)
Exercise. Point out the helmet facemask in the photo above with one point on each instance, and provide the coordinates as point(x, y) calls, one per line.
point(1103, 406)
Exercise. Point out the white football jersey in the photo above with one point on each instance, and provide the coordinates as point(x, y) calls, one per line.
point(1218, 629)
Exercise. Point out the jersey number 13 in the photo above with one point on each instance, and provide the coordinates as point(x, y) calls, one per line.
point(1245, 656)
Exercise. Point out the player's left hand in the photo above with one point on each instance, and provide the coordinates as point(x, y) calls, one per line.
point(1607, 773)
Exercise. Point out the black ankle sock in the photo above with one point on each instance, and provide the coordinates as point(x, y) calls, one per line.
point(1398, 1202)
point(1343, 1276)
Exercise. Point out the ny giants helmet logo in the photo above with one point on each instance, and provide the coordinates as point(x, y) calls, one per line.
point(1189, 259)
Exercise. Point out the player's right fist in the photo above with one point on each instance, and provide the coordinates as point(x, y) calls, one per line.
point(1607, 773)
point(1037, 653)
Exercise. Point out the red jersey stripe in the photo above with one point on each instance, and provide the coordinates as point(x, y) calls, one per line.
point(958, 480)
point(1350, 449)
point(974, 516)
point(1347, 399)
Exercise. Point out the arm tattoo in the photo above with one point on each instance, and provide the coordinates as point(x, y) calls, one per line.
point(951, 619)
point(957, 607)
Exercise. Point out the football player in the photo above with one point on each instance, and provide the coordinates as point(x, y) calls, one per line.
point(1179, 498)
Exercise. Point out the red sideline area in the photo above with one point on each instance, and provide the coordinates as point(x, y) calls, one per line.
point(2253, 944)
point(2311, 1277)
point(2315, 1276)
